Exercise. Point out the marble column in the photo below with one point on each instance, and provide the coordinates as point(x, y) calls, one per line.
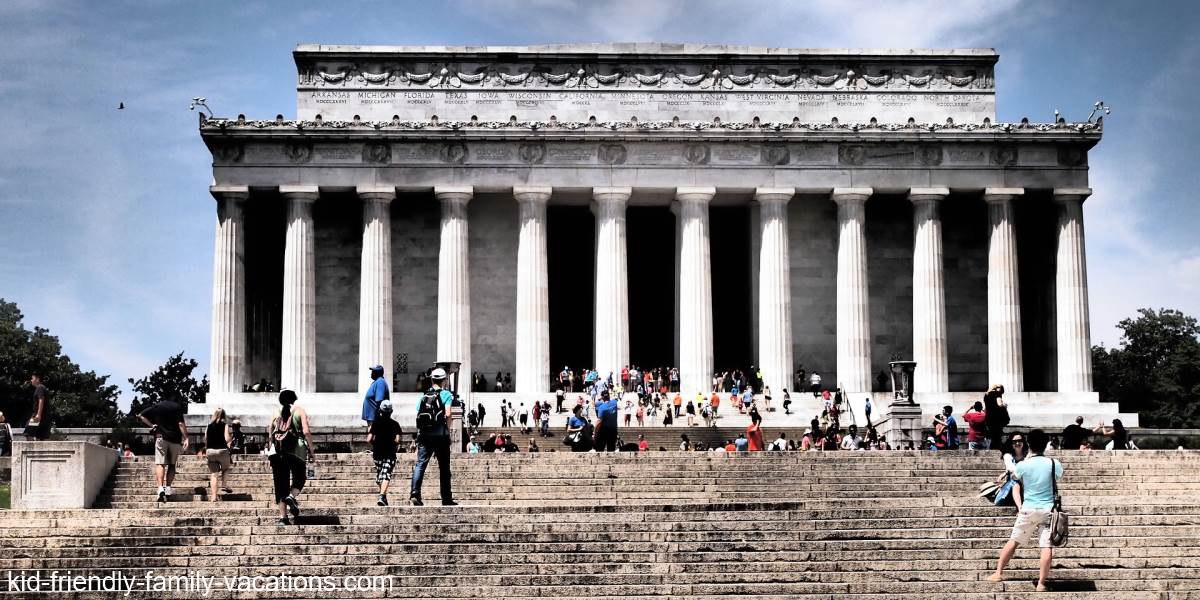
point(533, 300)
point(853, 299)
point(1071, 294)
point(227, 369)
point(375, 284)
point(454, 282)
point(774, 288)
point(612, 280)
point(299, 356)
point(1005, 363)
point(929, 292)
point(695, 291)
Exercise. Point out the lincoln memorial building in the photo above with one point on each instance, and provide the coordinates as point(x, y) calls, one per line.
point(518, 209)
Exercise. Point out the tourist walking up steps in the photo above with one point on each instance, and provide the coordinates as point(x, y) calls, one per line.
point(376, 394)
point(290, 447)
point(165, 420)
point(1037, 475)
point(38, 426)
point(606, 423)
point(218, 436)
point(433, 438)
point(384, 438)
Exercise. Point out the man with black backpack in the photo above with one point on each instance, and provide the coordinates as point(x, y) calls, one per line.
point(433, 437)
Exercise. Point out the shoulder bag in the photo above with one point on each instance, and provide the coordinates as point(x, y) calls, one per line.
point(1059, 531)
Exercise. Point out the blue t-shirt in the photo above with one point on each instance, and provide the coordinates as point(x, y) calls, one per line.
point(747, 397)
point(576, 422)
point(1034, 473)
point(741, 444)
point(951, 431)
point(607, 412)
point(376, 394)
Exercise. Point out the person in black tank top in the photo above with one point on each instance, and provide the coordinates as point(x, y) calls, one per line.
point(216, 439)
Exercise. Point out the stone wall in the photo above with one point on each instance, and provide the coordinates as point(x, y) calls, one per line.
point(493, 259)
point(416, 222)
point(338, 247)
point(889, 275)
point(812, 235)
point(965, 260)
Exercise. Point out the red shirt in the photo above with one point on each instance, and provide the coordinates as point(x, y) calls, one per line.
point(643, 446)
point(716, 400)
point(754, 435)
point(975, 425)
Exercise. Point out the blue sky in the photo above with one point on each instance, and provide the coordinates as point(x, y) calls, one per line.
point(106, 225)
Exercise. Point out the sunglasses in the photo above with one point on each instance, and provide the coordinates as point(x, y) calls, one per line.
point(1018, 441)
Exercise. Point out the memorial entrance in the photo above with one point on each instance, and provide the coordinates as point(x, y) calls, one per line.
point(518, 209)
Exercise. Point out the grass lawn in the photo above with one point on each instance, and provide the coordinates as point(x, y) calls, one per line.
point(5, 496)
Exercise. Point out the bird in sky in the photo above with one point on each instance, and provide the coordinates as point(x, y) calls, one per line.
point(121, 106)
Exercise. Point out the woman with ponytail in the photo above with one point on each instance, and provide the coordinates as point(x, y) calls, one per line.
point(290, 446)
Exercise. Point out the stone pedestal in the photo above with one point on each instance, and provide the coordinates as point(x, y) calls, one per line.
point(227, 369)
point(929, 291)
point(299, 355)
point(902, 425)
point(375, 284)
point(695, 291)
point(59, 474)
point(774, 289)
point(853, 297)
point(1071, 295)
point(612, 281)
point(454, 283)
point(533, 303)
point(1005, 364)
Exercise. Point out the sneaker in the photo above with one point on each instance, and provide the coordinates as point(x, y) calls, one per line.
point(416, 501)
point(382, 500)
point(292, 505)
point(283, 522)
point(170, 492)
point(449, 503)
point(162, 495)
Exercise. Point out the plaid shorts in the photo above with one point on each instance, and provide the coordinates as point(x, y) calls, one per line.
point(383, 469)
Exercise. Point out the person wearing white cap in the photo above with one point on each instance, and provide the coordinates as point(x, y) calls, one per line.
point(376, 394)
point(433, 437)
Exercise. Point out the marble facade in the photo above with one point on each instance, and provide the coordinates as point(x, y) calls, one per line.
point(891, 216)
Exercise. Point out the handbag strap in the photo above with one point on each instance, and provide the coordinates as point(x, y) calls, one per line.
point(1054, 487)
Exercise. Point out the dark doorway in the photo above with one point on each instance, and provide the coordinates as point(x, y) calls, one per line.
point(1037, 244)
point(729, 243)
point(650, 250)
point(571, 249)
point(263, 263)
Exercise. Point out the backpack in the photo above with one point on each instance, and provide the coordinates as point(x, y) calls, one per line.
point(283, 436)
point(431, 415)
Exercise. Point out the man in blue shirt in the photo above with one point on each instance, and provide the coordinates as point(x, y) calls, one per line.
point(376, 394)
point(1037, 475)
point(606, 423)
point(433, 439)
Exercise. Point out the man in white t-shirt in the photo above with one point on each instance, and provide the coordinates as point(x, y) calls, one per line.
point(814, 384)
point(851, 441)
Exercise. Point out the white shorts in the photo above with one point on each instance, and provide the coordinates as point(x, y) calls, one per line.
point(1032, 522)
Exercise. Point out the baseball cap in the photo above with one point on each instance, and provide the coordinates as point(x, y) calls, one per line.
point(438, 373)
point(385, 407)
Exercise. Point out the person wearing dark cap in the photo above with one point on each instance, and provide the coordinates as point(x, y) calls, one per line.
point(376, 394)
point(433, 437)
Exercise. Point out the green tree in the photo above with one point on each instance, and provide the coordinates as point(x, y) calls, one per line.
point(1155, 370)
point(78, 398)
point(171, 380)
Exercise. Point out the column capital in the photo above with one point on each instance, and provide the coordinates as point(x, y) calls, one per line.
point(1002, 194)
point(773, 195)
point(454, 194)
point(300, 193)
point(851, 195)
point(376, 193)
point(1065, 195)
point(535, 195)
point(935, 194)
point(697, 195)
point(229, 192)
point(613, 195)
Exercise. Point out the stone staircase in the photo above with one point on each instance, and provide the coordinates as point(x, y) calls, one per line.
point(660, 524)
